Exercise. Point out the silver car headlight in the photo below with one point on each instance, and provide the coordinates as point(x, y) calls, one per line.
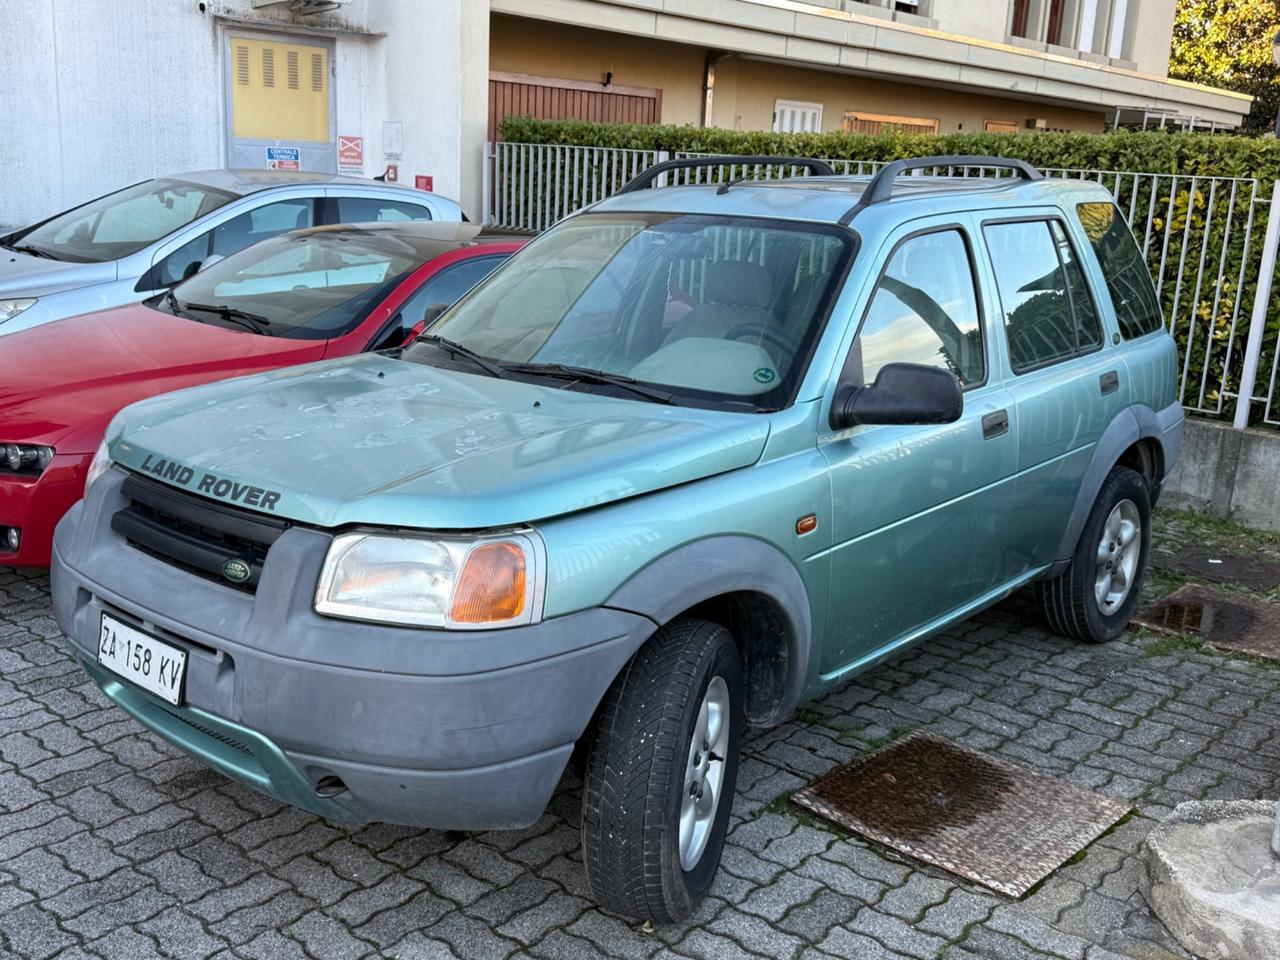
point(462, 583)
point(10, 307)
point(99, 465)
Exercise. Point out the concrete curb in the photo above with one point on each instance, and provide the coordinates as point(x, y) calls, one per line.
point(1212, 878)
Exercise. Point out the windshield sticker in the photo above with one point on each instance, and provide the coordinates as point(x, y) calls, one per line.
point(764, 375)
point(211, 484)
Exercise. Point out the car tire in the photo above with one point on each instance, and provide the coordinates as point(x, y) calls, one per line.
point(1094, 598)
point(650, 846)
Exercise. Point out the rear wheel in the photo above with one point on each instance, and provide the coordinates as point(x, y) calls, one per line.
point(1095, 597)
point(661, 774)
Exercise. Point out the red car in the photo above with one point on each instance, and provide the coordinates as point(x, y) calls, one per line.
point(302, 296)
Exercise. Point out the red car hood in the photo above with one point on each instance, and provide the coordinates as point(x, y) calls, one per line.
point(62, 382)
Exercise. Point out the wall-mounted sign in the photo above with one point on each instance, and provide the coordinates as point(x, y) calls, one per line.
point(393, 139)
point(393, 173)
point(351, 155)
point(284, 158)
point(422, 182)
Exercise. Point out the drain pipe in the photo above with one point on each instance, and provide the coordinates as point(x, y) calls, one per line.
point(709, 84)
point(1275, 837)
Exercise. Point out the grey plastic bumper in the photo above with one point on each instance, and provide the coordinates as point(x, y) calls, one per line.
point(465, 730)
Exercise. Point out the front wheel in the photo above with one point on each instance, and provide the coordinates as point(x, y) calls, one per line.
point(1095, 597)
point(661, 774)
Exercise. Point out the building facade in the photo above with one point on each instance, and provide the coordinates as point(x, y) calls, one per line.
point(104, 93)
point(931, 66)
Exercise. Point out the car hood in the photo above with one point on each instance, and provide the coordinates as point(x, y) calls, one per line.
point(22, 275)
point(61, 377)
point(377, 440)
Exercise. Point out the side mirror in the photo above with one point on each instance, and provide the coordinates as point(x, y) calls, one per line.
point(432, 314)
point(209, 261)
point(414, 333)
point(903, 393)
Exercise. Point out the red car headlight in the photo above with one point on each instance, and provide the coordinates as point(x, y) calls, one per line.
point(24, 458)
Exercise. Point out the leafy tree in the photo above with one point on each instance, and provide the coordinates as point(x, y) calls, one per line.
point(1227, 43)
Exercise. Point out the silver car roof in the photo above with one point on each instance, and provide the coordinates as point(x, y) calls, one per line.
point(244, 182)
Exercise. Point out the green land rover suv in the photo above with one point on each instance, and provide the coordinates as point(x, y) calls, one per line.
point(693, 456)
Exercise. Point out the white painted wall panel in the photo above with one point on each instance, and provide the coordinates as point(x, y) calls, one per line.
point(102, 93)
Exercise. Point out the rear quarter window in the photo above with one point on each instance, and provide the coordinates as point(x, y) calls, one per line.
point(1128, 280)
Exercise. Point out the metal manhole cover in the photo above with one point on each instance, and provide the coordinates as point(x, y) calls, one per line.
point(989, 820)
point(1219, 566)
point(1226, 620)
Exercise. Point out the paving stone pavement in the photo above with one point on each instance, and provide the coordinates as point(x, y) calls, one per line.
point(113, 844)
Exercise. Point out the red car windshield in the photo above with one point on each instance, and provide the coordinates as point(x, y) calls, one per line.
point(309, 286)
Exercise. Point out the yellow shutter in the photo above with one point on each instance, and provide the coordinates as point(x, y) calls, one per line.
point(268, 101)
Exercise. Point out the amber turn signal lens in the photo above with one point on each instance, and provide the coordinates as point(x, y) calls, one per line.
point(806, 524)
point(491, 587)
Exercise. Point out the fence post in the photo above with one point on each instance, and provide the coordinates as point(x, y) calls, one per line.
point(662, 157)
point(486, 186)
point(1258, 323)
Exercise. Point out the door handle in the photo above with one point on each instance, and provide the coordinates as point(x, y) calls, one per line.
point(1109, 382)
point(995, 424)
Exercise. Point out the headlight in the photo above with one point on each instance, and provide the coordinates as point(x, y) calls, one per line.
point(459, 583)
point(99, 465)
point(12, 306)
point(24, 458)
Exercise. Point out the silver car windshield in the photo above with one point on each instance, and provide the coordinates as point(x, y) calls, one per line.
point(123, 222)
point(705, 307)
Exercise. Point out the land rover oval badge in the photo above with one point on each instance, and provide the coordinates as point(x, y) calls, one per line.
point(237, 571)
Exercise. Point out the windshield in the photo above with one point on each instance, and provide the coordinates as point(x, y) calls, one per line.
point(313, 285)
point(706, 307)
point(123, 222)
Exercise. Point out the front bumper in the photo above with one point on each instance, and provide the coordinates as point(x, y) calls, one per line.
point(463, 730)
point(36, 504)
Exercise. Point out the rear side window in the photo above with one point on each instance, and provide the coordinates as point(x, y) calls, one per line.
point(1049, 315)
point(373, 209)
point(1088, 324)
point(924, 310)
point(1128, 279)
point(233, 236)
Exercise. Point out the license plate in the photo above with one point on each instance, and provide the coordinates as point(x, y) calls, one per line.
point(142, 659)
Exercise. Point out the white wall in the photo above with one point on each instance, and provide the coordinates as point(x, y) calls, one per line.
point(101, 93)
point(985, 19)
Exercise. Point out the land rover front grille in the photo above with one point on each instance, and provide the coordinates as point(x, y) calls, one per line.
point(195, 534)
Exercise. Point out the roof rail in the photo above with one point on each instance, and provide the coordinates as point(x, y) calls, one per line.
point(817, 168)
point(880, 188)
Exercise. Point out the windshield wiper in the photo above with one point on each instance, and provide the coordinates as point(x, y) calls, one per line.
point(493, 368)
point(250, 321)
point(174, 304)
point(34, 251)
point(565, 371)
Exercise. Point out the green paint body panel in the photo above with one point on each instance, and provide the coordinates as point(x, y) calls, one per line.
point(917, 526)
point(238, 752)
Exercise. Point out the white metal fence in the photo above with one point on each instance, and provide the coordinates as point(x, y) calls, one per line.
point(1210, 243)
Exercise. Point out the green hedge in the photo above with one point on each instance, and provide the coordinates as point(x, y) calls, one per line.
point(1218, 155)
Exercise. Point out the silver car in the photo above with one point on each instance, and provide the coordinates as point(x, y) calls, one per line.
point(131, 244)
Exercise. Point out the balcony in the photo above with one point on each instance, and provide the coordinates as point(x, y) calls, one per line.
point(913, 12)
point(1098, 31)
